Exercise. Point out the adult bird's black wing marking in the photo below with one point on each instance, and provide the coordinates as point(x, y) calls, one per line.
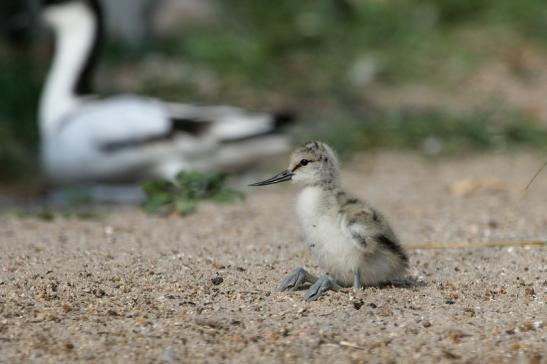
point(279, 121)
point(194, 127)
point(84, 83)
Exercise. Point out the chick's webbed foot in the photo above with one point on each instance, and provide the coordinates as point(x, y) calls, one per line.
point(296, 280)
point(320, 286)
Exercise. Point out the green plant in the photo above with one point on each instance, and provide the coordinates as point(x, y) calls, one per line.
point(19, 89)
point(183, 195)
point(430, 130)
point(47, 213)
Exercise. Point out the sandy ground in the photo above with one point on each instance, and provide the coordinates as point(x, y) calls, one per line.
point(127, 287)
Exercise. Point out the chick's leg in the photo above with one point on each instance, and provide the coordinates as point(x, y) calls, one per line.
point(357, 280)
point(296, 280)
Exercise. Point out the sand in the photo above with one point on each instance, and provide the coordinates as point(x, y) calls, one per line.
point(129, 287)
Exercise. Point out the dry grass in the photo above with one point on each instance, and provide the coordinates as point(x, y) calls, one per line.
point(480, 244)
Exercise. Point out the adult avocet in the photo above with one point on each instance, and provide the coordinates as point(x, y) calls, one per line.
point(127, 137)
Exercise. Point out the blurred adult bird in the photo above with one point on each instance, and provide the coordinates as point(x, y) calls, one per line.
point(127, 137)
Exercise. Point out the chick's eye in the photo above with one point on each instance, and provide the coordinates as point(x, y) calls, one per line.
point(304, 162)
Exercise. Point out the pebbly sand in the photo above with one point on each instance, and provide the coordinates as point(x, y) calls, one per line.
point(128, 287)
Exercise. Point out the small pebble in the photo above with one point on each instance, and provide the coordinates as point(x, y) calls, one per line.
point(217, 280)
point(358, 304)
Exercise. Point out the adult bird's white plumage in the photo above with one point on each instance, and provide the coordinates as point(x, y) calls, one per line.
point(85, 138)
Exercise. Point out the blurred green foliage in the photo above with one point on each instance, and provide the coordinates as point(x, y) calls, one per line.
point(19, 89)
point(184, 194)
point(431, 131)
point(307, 48)
point(47, 213)
point(319, 55)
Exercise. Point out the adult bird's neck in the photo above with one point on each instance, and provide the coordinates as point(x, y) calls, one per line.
point(68, 81)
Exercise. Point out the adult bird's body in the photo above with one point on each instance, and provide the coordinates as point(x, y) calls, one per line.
point(85, 138)
point(353, 243)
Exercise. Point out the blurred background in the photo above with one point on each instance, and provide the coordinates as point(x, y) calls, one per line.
point(435, 76)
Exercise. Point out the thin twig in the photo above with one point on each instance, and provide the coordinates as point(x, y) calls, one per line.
point(535, 175)
point(348, 344)
point(485, 244)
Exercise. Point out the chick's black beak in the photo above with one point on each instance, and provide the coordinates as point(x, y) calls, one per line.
point(286, 175)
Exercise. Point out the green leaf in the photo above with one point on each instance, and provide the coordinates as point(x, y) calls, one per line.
point(226, 196)
point(185, 207)
point(184, 194)
point(159, 194)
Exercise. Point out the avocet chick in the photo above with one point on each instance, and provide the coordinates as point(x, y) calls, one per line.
point(352, 241)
